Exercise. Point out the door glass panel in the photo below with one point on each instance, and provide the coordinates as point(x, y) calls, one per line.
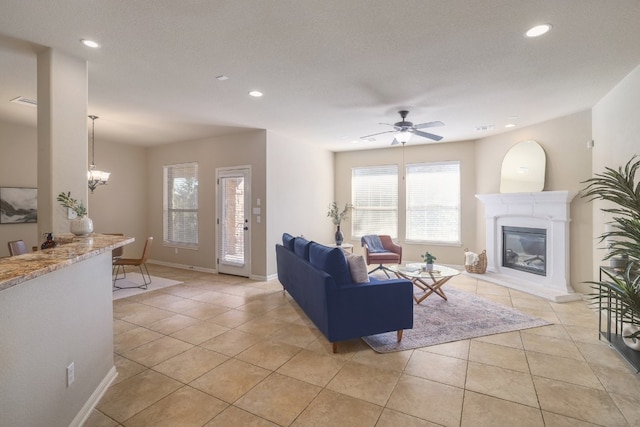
point(232, 221)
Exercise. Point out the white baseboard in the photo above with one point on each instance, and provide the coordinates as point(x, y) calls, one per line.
point(183, 266)
point(95, 397)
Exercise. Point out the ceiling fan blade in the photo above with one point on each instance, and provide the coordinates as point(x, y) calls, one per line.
point(375, 134)
point(427, 135)
point(428, 125)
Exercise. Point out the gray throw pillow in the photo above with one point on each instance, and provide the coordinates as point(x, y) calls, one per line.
point(358, 268)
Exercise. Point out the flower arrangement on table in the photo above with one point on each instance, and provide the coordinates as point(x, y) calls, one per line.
point(68, 202)
point(338, 216)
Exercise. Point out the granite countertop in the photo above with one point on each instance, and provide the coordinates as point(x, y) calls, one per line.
point(17, 269)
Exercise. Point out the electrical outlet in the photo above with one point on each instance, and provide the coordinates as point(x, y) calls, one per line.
point(71, 374)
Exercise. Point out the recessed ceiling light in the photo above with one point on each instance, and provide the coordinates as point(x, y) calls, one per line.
point(510, 125)
point(538, 30)
point(483, 128)
point(222, 77)
point(255, 93)
point(355, 141)
point(90, 43)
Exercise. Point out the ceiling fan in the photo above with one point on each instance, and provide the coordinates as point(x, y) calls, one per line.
point(404, 129)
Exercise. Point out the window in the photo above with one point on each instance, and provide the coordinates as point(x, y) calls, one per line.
point(433, 202)
point(180, 202)
point(375, 200)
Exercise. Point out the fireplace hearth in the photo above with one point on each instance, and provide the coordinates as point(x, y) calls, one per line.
point(527, 242)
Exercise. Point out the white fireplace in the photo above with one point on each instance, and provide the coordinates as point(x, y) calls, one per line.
point(546, 210)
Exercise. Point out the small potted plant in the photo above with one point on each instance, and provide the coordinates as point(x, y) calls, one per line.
point(428, 260)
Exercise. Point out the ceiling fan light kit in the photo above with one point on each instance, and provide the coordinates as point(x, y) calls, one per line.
point(404, 129)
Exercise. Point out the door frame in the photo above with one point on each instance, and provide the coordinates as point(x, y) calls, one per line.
point(246, 171)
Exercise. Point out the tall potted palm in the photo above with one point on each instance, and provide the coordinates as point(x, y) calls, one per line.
point(620, 189)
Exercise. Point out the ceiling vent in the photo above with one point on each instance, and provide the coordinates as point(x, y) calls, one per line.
point(25, 101)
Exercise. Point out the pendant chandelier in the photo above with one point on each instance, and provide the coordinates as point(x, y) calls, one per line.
point(94, 176)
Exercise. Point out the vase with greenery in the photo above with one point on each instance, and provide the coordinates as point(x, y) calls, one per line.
point(82, 224)
point(337, 217)
point(618, 187)
point(428, 260)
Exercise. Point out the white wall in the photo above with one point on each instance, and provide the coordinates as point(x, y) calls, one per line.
point(46, 324)
point(300, 180)
point(616, 135)
point(564, 141)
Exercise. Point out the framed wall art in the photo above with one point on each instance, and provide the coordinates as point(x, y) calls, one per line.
point(18, 205)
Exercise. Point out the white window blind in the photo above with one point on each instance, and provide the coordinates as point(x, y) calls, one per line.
point(375, 200)
point(433, 202)
point(180, 205)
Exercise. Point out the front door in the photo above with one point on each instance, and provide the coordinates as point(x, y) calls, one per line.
point(233, 225)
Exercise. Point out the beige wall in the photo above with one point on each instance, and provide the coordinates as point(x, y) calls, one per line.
point(564, 141)
point(299, 189)
point(121, 205)
point(616, 135)
point(462, 151)
point(18, 168)
point(241, 149)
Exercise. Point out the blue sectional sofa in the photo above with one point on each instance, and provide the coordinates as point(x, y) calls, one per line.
point(319, 280)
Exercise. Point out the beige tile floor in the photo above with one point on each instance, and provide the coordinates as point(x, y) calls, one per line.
point(226, 351)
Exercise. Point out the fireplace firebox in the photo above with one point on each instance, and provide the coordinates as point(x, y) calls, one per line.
point(525, 249)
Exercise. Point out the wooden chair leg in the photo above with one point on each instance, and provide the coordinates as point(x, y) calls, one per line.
point(400, 335)
point(335, 347)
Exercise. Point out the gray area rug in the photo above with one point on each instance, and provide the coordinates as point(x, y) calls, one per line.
point(463, 316)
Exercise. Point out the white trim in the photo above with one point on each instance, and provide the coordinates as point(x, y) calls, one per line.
point(85, 412)
point(247, 173)
point(183, 266)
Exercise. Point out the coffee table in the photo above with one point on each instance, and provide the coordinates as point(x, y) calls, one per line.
point(430, 282)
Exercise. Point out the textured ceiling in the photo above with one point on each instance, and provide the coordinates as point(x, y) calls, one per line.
point(330, 70)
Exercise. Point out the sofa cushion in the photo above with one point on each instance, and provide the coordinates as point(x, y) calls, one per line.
point(301, 247)
point(287, 241)
point(330, 260)
point(358, 268)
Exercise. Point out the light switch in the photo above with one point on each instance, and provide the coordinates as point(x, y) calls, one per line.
point(256, 211)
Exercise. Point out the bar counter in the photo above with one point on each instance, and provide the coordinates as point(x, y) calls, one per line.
point(56, 307)
point(72, 249)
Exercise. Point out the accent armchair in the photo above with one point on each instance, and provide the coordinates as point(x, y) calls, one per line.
point(380, 249)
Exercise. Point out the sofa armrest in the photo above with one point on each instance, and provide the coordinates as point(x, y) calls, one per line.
point(358, 310)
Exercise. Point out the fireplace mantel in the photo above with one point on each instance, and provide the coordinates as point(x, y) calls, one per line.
point(549, 210)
